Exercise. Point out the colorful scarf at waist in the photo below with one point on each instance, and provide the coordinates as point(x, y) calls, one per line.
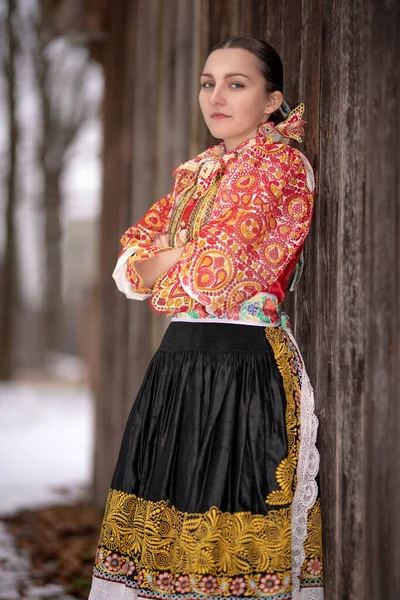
point(262, 310)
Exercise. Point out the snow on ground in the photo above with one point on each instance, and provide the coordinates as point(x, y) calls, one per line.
point(13, 566)
point(46, 440)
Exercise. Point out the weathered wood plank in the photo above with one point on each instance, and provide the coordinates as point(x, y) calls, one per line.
point(198, 134)
point(309, 93)
point(258, 18)
point(166, 134)
point(273, 27)
point(184, 91)
point(350, 310)
point(165, 90)
point(382, 354)
point(318, 303)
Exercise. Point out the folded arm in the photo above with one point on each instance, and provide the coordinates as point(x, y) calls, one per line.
point(138, 246)
point(151, 269)
point(246, 248)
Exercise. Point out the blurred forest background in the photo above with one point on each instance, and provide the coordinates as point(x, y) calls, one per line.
point(51, 93)
point(50, 176)
point(98, 104)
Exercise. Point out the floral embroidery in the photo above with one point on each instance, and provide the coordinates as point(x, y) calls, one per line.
point(270, 310)
point(193, 544)
point(156, 220)
point(314, 566)
point(293, 365)
point(238, 586)
point(313, 571)
point(164, 581)
point(262, 308)
point(253, 308)
point(208, 584)
point(297, 398)
point(288, 366)
point(182, 584)
point(130, 568)
point(114, 563)
point(270, 583)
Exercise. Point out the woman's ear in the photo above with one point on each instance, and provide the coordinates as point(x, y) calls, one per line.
point(274, 101)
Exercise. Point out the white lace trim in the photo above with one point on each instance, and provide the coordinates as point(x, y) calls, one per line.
point(311, 594)
point(306, 490)
point(102, 589)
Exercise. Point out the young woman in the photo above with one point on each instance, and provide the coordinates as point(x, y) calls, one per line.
point(214, 492)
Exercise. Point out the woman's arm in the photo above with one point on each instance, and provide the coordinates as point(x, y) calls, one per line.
point(139, 244)
point(245, 247)
point(151, 269)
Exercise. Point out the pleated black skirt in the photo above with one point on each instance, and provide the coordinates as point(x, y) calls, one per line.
point(200, 501)
point(208, 426)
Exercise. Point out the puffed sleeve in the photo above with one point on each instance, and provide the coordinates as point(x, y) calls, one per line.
point(247, 245)
point(137, 246)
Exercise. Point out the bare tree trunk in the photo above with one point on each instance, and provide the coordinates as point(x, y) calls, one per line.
point(61, 122)
point(8, 277)
point(52, 298)
point(50, 153)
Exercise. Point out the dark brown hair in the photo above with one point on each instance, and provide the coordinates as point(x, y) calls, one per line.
point(270, 64)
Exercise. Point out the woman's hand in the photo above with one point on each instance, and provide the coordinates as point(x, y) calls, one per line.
point(151, 269)
point(161, 240)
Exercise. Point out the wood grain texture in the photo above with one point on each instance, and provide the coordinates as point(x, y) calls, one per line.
point(382, 355)
point(341, 308)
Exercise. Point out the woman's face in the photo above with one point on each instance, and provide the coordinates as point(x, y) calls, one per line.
point(233, 98)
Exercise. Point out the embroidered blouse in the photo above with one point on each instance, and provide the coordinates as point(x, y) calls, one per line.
point(242, 216)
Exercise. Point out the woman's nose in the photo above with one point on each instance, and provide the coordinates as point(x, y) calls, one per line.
point(217, 97)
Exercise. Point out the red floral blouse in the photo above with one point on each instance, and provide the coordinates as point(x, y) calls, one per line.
point(242, 216)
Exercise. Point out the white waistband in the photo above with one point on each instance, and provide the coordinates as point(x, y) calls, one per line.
point(187, 319)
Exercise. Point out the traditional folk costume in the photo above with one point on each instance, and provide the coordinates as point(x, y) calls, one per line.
point(215, 493)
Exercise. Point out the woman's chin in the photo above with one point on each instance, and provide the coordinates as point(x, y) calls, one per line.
point(219, 132)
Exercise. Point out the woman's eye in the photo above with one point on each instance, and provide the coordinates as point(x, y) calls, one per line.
point(234, 85)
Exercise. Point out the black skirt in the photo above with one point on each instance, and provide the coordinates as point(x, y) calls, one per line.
point(200, 501)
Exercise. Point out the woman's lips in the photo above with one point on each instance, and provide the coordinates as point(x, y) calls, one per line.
point(219, 116)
